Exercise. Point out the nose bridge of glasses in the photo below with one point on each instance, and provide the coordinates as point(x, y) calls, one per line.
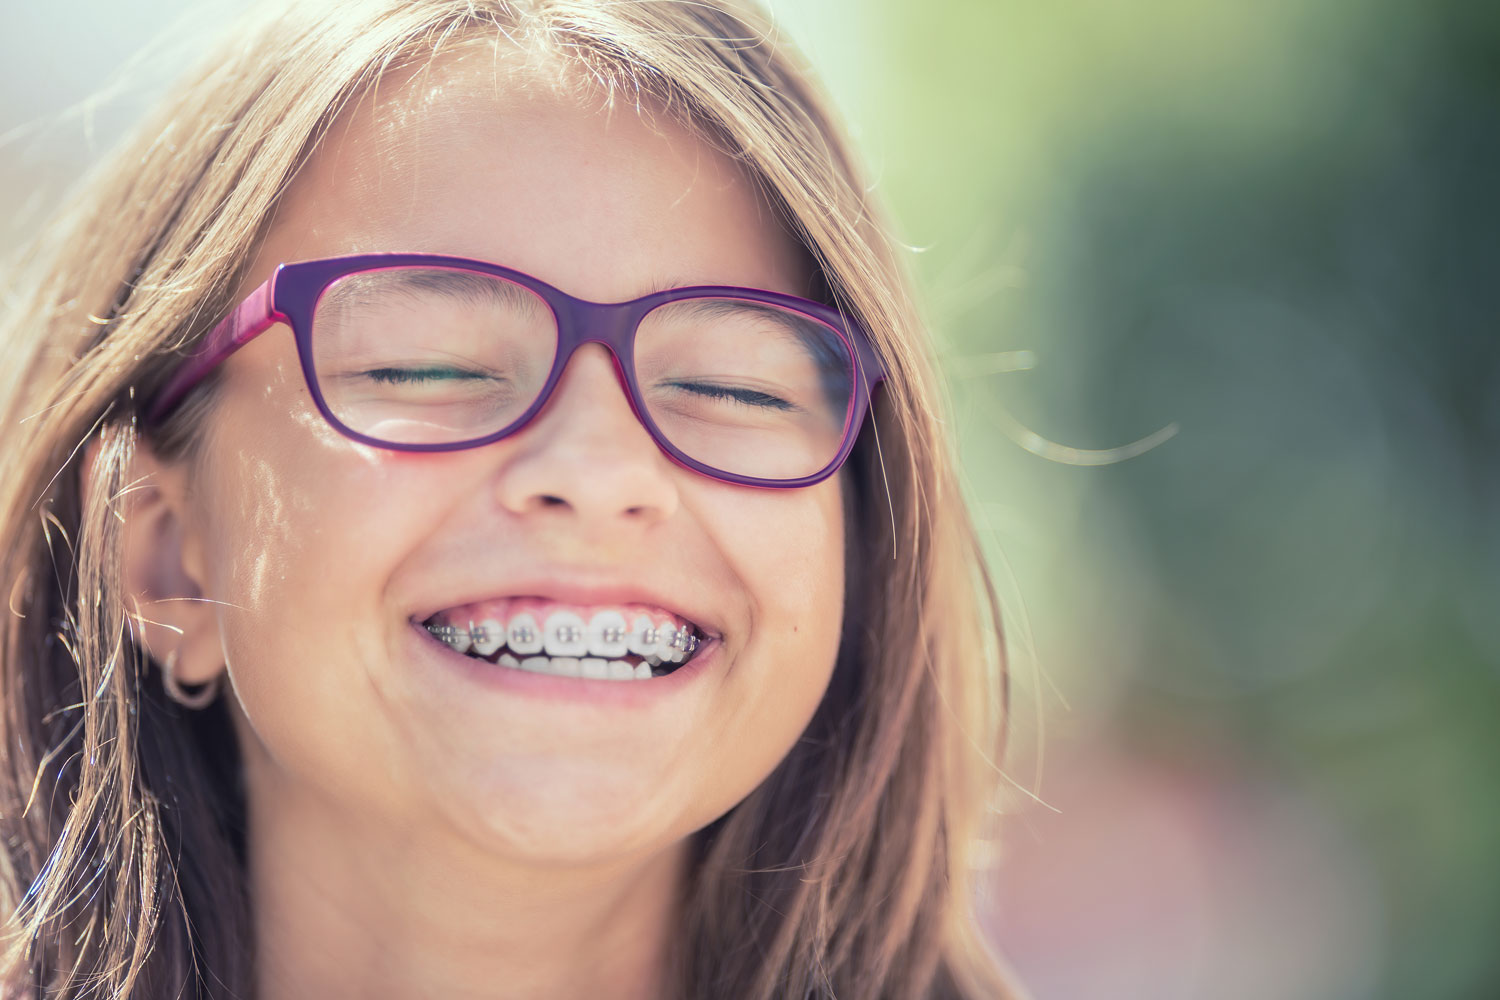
point(581, 322)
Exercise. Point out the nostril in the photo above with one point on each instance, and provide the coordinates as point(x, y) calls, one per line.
point(548, 500)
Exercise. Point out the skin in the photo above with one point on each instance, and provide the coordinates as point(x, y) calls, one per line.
point(413, 835)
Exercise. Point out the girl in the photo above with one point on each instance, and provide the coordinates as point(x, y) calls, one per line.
point(477, 524)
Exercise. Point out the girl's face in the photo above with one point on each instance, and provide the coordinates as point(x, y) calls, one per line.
point(328, 556)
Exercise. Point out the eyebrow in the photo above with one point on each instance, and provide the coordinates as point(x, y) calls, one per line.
point(670, 284)
point(716, 306)
point(822, 343)
point(467, 286)
point(459, 282)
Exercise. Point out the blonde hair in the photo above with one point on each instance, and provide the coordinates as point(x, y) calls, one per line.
point(122, 861)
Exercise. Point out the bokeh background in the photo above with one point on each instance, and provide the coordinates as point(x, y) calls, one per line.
point(1216, 284)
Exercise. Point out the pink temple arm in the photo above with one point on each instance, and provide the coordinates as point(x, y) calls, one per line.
point(251, 317)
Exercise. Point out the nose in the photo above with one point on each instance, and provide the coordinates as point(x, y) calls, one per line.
point(587, 456)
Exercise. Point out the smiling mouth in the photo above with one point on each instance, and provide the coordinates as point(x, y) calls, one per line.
point(619, 643)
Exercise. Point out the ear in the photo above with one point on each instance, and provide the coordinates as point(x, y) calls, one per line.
point(163, 568)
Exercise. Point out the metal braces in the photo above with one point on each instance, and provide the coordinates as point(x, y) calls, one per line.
point(682, 638)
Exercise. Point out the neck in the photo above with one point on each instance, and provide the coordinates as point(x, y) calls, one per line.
point(358, 907)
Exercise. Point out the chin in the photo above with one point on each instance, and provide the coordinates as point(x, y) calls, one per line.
point(574, 812)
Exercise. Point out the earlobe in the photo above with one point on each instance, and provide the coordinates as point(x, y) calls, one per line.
point(162, 572)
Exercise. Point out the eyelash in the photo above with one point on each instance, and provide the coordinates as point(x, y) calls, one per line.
point(746, 397)
point(403, 376)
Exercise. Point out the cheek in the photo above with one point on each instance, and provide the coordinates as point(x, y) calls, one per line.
point(788, 551)
point(298, 549)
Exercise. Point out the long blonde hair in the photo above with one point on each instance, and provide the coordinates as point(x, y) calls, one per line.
point(122, 855)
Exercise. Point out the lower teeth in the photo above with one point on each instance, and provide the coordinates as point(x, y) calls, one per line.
point(588, 668)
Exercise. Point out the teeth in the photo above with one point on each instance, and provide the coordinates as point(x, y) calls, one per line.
point(642, 638)
point(456, 638)
point(590, 667)
point(524, 637)
point(562, 666)
point(488, 636)
point(607, 635)
point(564, 635)
point(672, 645)
point(567, 646)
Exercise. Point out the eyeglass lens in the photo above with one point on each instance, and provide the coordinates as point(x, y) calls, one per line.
point(426, 355)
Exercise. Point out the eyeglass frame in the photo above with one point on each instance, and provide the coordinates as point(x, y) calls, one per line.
point(292, 293)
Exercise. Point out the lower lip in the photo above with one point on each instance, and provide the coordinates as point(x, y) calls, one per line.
point(550, 687)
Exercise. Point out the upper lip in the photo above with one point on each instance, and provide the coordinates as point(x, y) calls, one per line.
point(585, 591)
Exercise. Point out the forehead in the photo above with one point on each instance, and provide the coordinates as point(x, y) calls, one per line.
point(495, 153)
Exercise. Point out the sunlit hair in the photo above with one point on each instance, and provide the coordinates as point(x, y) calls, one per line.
point(122, 819)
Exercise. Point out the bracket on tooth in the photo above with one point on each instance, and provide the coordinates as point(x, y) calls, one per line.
point(683, 639)
point(569, 633)
point(447, 633)
point(523, 635)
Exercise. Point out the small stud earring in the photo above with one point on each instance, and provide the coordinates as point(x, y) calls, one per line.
point(200, 699)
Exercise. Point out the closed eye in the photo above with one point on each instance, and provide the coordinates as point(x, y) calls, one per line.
point(747, 397)
point(406, 376)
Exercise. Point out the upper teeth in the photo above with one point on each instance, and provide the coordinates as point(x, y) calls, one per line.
point(566, 634)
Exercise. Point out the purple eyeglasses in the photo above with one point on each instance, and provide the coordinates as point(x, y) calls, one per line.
point(421, 352)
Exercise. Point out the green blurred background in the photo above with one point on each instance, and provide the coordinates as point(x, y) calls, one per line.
point(1215, 285)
